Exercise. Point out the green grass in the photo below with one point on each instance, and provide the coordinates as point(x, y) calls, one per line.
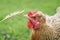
point(16, 27)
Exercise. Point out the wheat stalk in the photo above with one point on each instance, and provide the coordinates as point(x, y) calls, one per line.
point(12, 14)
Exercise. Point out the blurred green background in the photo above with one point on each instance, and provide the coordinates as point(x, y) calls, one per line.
point(15, 28)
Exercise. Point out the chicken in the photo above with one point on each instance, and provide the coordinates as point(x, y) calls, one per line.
point(44, 27)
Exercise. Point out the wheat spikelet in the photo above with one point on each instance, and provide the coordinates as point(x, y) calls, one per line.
point(12, 14)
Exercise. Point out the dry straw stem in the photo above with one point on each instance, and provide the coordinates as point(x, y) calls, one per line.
point(12, 14)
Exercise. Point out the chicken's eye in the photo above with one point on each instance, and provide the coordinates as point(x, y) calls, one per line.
point(33, 17)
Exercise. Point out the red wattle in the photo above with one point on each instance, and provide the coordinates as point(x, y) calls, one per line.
point(30, 26)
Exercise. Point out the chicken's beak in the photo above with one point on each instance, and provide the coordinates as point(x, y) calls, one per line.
point(26, 16)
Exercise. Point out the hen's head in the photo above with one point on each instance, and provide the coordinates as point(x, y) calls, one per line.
point(36, 19)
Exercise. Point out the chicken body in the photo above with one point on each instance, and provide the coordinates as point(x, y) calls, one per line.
point(49, 30)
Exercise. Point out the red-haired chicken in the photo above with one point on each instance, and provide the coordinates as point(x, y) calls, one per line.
point(44, 27)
